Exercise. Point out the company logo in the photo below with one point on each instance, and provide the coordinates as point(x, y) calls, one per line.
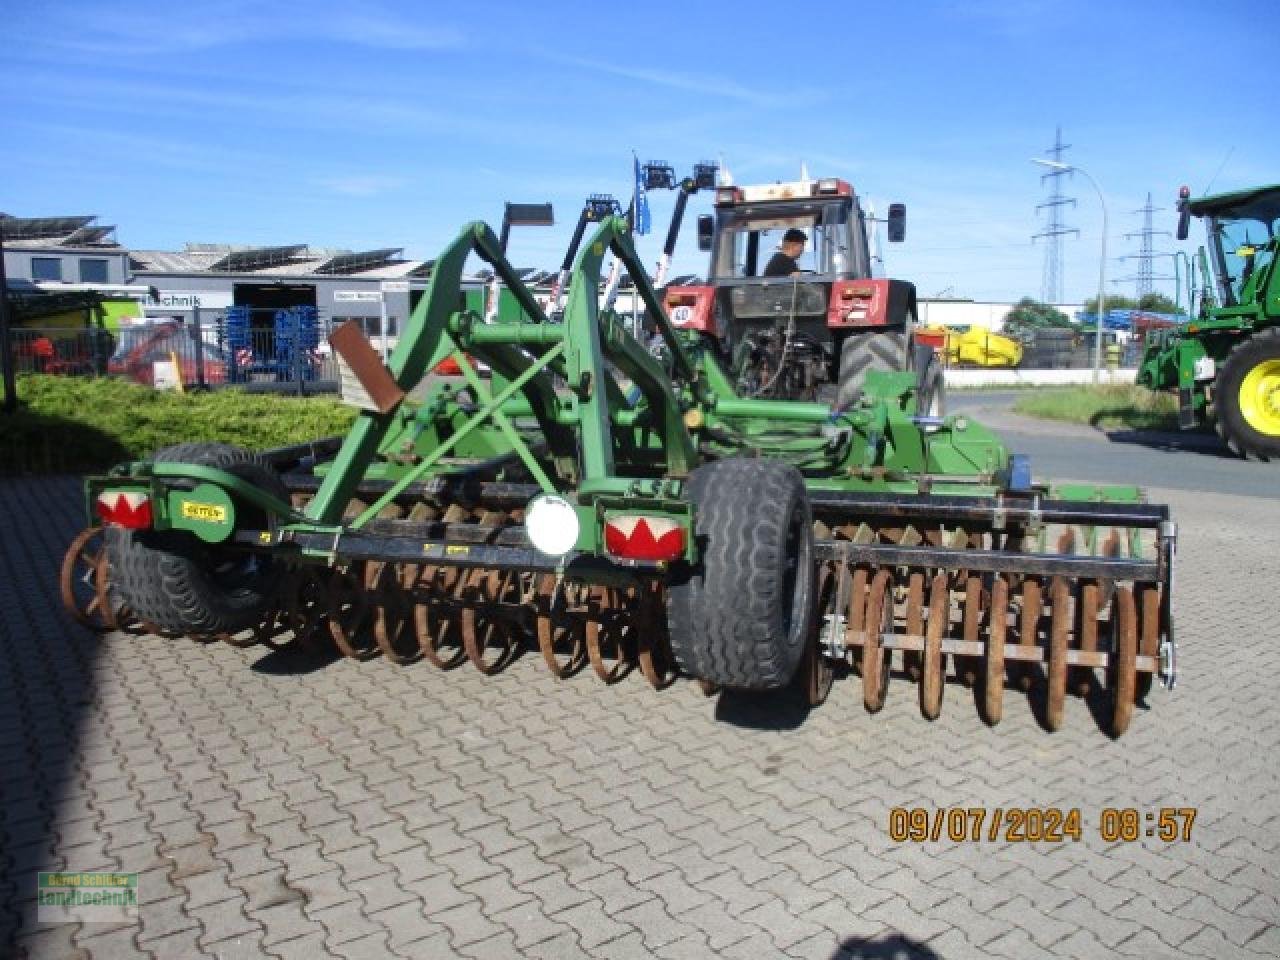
point(208, 512)
point(86, 897)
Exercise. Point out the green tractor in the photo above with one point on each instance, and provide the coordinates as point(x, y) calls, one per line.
point(615, 507)
point(1225, 363)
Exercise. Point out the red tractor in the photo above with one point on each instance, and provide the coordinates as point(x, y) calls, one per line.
point(787, 336)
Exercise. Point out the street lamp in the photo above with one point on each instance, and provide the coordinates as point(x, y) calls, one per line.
point(1102, 260)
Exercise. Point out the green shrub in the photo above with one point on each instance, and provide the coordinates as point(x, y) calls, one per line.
point(78, 425)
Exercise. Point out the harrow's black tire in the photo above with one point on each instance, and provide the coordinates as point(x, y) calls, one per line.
point(182, 584)
point(741, 617)
point(873, 350)
point(1231, 423)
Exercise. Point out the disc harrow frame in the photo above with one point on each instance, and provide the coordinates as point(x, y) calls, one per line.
point(412, 538)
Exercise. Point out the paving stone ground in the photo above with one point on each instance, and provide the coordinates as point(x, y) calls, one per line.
point(281, 808)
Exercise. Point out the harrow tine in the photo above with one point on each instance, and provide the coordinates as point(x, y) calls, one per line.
point(1059, 627)
point(306, 610)
point(349, 614)
point(876, 659)
point(653, 645)
point(1090, 595)
point(911, 659)
point(84, 582)
point(967, 667)
point(434, 620)
point(1123, 660)
point(605, 630)
point(1149, 635)
point(1032, 608)
point(993, 681)
point(855, 615)
point(558, 625)
point(933, 667)
point(482, 625)
point(392, 615)
point(816, 672)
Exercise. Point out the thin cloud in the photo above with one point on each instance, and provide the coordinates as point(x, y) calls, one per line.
point(151, 30)
point(361, 185)
point(703, 84)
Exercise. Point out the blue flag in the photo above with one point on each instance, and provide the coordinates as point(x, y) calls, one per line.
point(643, 220)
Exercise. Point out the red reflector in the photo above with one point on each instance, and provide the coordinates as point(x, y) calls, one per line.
point(644, 538)
point(129, 509)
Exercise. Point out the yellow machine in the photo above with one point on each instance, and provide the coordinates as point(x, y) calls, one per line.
point(976, 347)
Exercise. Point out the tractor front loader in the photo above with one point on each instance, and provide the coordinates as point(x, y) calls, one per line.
point(622, 508)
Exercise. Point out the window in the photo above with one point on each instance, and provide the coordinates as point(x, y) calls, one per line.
point(93, 271)
point(46, 268)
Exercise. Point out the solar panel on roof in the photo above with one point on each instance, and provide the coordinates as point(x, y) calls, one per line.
point(348, 263)
point(257, 258)
point(41, 228)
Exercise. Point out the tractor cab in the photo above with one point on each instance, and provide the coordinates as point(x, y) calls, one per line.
point(787, 336)
point(750, 223)
point(1241, 230)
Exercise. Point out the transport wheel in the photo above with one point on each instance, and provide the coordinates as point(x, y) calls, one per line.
point(875, 658)
point(740, 617)
point(180, 583)
point(861, 352)
point(1247, 397)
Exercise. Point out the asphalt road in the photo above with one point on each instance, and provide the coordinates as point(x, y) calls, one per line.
point(1064, 451)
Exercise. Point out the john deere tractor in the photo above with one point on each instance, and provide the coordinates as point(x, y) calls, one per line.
point(785, 337)
point(1225, 363)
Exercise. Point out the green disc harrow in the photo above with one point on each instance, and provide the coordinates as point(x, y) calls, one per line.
point(618, 506)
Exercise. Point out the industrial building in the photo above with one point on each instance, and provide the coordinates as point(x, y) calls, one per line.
point(377, 288)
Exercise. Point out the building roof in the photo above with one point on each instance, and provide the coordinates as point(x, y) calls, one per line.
point(293, 260)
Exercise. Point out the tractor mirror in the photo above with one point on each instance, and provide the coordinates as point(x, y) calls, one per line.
point(897, 222)
point(1184, 220)
point(706, 227)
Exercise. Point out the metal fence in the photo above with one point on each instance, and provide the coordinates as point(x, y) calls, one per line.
point(257, 349)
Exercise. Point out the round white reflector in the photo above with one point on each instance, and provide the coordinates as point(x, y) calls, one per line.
point(552, 524)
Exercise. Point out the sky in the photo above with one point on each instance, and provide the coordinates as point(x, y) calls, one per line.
point(367, 125)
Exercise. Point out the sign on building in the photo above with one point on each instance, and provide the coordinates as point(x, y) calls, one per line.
point(357, 296)
point(190, 300)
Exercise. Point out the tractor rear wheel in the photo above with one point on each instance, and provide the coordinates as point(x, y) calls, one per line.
point(741, 617)
point(1247, 397)
point(180, 583)
point(870, 350)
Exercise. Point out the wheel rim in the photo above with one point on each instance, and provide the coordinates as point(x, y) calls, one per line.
point(1260, 398)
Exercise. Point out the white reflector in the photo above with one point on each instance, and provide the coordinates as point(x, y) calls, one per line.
point(552, 524)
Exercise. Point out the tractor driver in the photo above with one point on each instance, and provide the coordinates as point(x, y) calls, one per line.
point(783, 263)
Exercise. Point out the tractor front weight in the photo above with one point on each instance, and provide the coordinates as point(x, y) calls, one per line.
point(623, 507)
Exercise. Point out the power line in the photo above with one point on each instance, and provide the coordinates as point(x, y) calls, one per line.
point(1055, 229)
